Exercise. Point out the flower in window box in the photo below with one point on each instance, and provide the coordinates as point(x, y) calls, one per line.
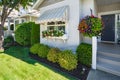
point(44, 34)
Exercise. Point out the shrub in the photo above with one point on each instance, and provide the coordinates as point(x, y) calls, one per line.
point(34, 48)
point(84, 53)
point(43, 51)
point(23, 34)
point(67, 60)
point(53, 55)
point(9, 41)
point(35, 33)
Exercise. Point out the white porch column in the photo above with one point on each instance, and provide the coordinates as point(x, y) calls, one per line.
point(94, 52)
point(8, 24)
point(14, 24)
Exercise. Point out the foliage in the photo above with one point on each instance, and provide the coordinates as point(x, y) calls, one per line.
point(43, 51)
point(5, 28)
point(34, 49)
point(9, 41)
point(52, 33)
point(7, 6)
point(35, 33)
point(21, 66)
point(84, 53)
point(18, 52)
point(23, 34)
point(67, 60)
point(90, 26)
point(53, 55)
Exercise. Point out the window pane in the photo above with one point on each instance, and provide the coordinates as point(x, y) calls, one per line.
point(61, 28)
point(16, 22)
point(50, 28)
point(23, 20)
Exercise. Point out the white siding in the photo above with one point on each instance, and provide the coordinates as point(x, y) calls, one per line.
point(86, 6)
point(72, 26)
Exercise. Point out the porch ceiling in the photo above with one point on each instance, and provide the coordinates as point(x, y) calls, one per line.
point(106, 2)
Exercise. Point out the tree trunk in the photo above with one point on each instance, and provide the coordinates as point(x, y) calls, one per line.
point(1, 37)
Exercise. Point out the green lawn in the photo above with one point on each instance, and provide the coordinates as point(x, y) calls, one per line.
point(15, 64)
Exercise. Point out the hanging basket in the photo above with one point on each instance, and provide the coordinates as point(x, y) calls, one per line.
point(90, 26)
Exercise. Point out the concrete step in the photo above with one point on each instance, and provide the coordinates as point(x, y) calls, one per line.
point(108, 59)
point(106, 67)
point(115, 55)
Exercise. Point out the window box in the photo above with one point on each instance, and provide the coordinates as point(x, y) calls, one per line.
point(64, 37)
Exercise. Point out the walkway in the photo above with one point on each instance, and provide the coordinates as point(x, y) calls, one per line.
point(99, 75)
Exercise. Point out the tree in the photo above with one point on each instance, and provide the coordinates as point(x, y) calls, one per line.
point(7, 8)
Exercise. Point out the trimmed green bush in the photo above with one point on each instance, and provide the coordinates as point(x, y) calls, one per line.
point(23, 34)
point(27, 34)
point(8, 42)
point(67, 60)
point(53, 55)
point(35, 33)
point(34, 49)
point(84, 53)
point(43, 51)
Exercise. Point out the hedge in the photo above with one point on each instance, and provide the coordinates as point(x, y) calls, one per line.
point(23, 34)
point(27, 34)
point(35, 33)
point(84, 53)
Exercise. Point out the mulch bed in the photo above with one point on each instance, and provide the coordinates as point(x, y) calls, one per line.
point(78, 73)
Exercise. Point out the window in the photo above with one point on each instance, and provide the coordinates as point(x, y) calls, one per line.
point(23, 20)
point(59, 25)
point(54, 29)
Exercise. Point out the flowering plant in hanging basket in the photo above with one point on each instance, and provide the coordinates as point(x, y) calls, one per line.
point(90, 26)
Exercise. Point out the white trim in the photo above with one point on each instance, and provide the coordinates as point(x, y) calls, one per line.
point(37, 4)
point(116, 28)
point(108, 12)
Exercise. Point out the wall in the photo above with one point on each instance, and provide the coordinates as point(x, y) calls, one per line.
point(109, 7)
point(72, 27)
point(85, 10)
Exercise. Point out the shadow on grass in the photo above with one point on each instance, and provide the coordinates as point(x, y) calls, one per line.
point(22, 53)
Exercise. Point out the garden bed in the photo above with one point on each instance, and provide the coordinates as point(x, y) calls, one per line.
point(78, 72)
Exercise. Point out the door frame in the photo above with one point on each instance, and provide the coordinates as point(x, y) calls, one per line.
point(108, 13)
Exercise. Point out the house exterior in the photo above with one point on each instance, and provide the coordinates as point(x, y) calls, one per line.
point(76, 11)
point(25, 15)
point(66, 15)
point(69, 11)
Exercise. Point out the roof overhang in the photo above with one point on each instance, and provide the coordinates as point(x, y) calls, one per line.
point(56, 14)
point(37, 4)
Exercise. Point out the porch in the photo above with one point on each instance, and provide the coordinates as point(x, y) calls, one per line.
point(109, 48)
point(108, 58)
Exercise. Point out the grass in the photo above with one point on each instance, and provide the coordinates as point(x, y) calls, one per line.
point(15, 64)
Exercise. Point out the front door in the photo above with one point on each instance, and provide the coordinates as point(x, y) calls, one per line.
point(108, 33)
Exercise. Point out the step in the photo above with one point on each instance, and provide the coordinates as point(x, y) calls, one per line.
point(109, 59)
point(108, 68)
point(116, 55)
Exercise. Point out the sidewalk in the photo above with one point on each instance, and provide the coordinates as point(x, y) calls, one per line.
point(100, 75)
